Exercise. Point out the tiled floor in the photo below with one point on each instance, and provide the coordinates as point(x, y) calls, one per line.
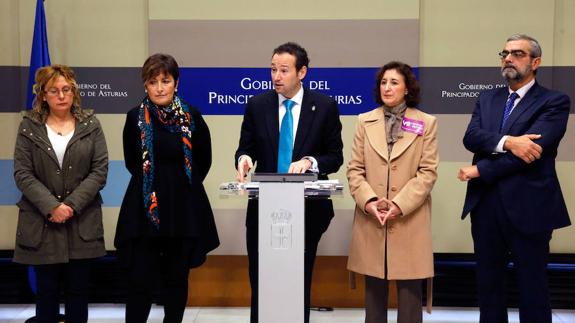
point(112, 313)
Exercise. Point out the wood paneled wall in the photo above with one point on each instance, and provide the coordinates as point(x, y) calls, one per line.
point(223, 281)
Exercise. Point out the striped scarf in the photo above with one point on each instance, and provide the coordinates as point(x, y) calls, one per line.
point(175, 118)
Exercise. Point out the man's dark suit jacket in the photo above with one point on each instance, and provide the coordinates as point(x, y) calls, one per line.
point(318, 135)
point(530, 193)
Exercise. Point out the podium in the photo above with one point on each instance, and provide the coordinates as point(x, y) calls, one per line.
point(281, 246)
point(281, 239)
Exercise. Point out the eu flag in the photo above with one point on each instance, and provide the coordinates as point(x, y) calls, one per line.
point(40, 55)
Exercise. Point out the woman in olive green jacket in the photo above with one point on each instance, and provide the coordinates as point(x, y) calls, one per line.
point(60, 166)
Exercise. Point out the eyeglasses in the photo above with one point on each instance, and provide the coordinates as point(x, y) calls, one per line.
point(516, 53)
point(55, 92)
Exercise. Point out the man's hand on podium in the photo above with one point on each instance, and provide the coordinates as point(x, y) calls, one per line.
point(300, 166)
point(244, 166)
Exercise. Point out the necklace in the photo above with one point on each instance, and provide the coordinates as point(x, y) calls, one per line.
point(61, 127)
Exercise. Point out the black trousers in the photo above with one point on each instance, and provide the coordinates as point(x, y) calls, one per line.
point(408, 300)
point(317, 222)
point(496, 242)
point(76, 278)
point(158, 266)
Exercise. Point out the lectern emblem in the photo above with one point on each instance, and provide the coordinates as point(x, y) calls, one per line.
point(281, 229)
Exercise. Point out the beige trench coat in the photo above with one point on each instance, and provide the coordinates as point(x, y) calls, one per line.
point(406, 177)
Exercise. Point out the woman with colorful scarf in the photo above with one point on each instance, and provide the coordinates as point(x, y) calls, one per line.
point(166, 225)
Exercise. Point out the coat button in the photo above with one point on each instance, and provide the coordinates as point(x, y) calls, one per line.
point(24, 129)
point(67, 192)
point(393, 167)
point(70, 167)
point(49, 148)
point(58, 172)
point(393, 188)
point(59, 197)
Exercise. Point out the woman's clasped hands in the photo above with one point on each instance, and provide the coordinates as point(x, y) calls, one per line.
point(383, 210)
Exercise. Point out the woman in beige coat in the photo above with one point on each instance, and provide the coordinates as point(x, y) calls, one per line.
point(391, 173)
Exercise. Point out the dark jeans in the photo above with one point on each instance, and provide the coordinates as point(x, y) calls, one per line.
point(408, 300)
point(76, 278)
point(163, 265)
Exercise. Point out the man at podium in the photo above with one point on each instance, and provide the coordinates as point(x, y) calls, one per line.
point(289, 130)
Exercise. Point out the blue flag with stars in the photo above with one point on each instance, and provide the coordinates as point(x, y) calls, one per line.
point(40, 56)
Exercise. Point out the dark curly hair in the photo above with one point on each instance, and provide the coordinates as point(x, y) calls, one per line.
point(412, 97)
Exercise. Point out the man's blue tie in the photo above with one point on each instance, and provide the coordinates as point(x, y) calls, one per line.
point(508, 108)
point(285, 148)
